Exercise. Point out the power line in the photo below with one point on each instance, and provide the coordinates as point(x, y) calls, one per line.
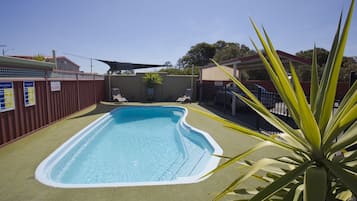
point(76, 55)
point(82, 57)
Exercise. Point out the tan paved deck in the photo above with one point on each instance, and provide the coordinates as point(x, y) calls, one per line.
point(19, 160)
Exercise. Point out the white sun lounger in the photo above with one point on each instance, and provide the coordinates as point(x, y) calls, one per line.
point(185, 98)
point(117, 95)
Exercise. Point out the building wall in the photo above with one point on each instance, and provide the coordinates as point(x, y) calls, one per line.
point(215, 74)
point(50, 105)
point(133, 87)
point(64, 64)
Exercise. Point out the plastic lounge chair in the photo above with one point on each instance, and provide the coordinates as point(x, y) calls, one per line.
point(117, 95)
point(185, 98)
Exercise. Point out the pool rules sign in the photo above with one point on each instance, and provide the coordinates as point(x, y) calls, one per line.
point(29, 93)
point(6, 96)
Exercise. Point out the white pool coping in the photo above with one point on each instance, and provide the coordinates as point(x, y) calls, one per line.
point(45, 167)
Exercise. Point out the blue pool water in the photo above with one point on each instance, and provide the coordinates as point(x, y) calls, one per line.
point(132, 146)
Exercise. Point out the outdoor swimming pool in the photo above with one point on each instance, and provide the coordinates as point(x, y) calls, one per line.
point(132, 146)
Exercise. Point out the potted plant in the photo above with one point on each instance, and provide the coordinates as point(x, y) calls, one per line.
point(151, 80)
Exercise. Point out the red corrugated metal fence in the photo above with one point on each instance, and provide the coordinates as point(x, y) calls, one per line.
point(50, 106)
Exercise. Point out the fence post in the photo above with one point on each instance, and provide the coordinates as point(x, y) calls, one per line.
point(257, 116)
point(95, 89)
point(78, 98)
point(201, 85)
point(224, 99)
point(48, 96)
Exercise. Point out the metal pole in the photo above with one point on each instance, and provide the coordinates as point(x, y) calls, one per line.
point(192, 78)
point(234, 98)
point(3, 49)
point(91, 66)
point(201, 85)
point(109, 85)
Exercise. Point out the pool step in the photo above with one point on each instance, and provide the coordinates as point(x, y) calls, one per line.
point(170, 172)
point(192, 157)
point(184, 168)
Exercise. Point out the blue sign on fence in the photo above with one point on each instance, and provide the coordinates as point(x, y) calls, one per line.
point(29, 93)
point(6, 96)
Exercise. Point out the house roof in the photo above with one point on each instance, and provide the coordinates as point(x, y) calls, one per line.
point(254, 61)
point(47, 58)
point(14, 62)
point(62, 57)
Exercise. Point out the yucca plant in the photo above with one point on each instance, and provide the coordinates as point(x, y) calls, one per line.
point(151, 80)
point(319, 167)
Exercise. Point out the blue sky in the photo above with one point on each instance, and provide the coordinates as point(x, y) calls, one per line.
point(155, 31)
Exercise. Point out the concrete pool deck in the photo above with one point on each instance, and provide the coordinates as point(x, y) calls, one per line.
point(19, 160)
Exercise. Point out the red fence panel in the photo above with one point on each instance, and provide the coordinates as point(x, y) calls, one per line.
point(50, 105)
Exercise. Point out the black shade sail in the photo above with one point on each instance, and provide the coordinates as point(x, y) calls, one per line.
point(119, 66)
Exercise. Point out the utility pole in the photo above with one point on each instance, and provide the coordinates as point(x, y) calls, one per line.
point(3, 49)
point(91, 65)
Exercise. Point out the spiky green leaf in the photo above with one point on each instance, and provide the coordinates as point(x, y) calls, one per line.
point(345, 177)
point(238, 157)
point(307, 121)
point(334, 69)
point(348, 138)
point(334, 128)
point(255, 168)
point(314, 79)
point(269, 190)
point(315, 176)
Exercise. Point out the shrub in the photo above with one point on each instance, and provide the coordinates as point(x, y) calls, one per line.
point(152, 79)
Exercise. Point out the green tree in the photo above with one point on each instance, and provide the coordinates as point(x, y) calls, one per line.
point(304, 72)
point(322, 55)
point(168, 64)
point(348, 64)
point(180, 71)
point(199, 55)
point(225, 51)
